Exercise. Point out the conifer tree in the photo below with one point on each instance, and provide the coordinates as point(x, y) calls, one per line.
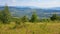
point(34, 17)
point(6, 16)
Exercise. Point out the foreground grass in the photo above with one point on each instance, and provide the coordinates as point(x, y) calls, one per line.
point(30, 28)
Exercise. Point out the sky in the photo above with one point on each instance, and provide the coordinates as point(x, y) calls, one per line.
point(34, 3)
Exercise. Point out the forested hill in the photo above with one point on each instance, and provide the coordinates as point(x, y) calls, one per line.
point(20, 11)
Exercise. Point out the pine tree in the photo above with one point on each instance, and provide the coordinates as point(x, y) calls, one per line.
point(34, 17)
point(6, 16)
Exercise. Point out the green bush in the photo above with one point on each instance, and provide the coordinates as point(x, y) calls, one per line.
point(55, 17)
point(34, 17)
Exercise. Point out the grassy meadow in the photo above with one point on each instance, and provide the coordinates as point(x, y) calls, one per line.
point(31, 28)
point(28, 25)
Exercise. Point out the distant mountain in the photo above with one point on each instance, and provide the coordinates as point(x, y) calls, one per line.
point(55, 8)
point(21, 11)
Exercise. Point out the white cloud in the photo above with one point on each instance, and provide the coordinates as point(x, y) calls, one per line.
point(41, 4)
point(49, 4)
point(37, 3)
point(14, 1)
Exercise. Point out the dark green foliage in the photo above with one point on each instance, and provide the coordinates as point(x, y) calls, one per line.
point(17, 22)
point(58, 17)
point(34, 17)
point(5, 15)
point(24, 19)
point(33, 32)
point(1, 16)
point(54, 17)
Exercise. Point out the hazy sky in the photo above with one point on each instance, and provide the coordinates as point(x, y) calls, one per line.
point(35, 3)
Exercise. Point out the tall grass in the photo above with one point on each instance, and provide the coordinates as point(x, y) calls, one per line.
point(31, 28)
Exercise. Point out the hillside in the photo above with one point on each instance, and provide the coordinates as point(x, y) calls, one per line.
point(20, 11)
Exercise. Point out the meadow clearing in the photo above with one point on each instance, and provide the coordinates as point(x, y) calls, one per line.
point(31, 28)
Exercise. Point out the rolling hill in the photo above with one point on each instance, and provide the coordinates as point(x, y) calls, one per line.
point(21, 11)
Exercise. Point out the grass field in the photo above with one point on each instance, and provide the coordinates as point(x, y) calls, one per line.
point(30, 28)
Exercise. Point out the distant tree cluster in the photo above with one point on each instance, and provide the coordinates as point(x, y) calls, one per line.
point(55, 17)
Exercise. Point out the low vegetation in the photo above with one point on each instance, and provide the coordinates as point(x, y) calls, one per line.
point(30, 28)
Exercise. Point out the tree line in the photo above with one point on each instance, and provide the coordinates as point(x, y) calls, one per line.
point(5, 17)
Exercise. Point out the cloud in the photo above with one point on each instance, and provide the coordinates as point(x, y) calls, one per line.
point(41, 4)
point(14, 1)
point(36, 3)
point(49, 4)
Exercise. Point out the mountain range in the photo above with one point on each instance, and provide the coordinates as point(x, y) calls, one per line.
point(41, 12)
